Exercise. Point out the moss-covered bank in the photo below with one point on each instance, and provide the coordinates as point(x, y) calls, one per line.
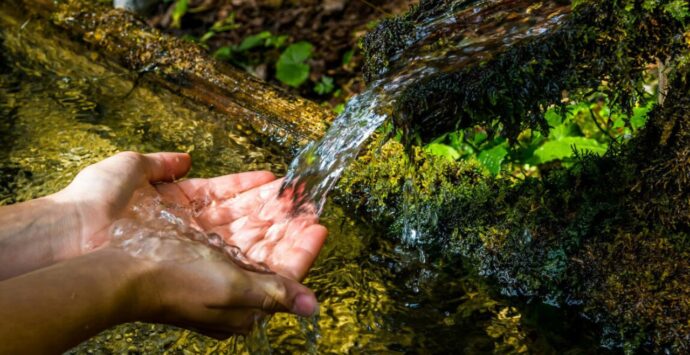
point(609, 235)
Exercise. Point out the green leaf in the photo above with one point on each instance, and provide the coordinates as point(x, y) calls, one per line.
point(291, 69)
point(479, 138)
point(253, 41)
point(325, 86)
point(553, 117)
point(226, 24)
point(223, 53)
point(179, 11)
point(276, 41)
point(208, 35)
point(639, 117)
point(493, 158)
point(338, 109)
point(456, 139)
point(563, 130)
point(442, 150)
point(678, 9)
point(347, 57)
point(576, 109)
point(563, 148)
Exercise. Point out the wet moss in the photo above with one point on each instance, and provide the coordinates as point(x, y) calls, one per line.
point(610, 41)
point(608, 236)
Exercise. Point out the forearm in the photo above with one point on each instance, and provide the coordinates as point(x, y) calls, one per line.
point(32, 235)
point(53, 309)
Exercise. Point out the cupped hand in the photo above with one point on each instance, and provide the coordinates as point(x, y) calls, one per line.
point(242, 208)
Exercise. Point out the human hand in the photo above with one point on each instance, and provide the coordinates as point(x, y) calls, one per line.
point(241, 208)
point(98, 290)
point(218, 298)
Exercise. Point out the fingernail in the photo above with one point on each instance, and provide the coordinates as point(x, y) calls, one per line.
point(305, 305)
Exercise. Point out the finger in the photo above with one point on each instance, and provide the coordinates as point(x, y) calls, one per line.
point(161, 167)
point(273, 293)
point(227, 186)
point(293, 257)
point(172, 193)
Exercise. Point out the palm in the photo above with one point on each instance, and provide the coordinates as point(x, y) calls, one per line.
point(245, 211)
point(241, 208)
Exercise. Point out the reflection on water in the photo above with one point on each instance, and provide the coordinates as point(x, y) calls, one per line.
point(376, 297)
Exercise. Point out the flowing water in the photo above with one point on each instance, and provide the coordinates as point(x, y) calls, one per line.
point(471, 33)
point(60, 112)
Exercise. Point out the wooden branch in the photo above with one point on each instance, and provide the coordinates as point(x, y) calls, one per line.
point(185, 68)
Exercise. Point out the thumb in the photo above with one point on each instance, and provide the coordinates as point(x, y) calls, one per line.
point(166, 166)
point(280, 294)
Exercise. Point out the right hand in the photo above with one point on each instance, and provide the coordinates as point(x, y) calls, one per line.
point(216, 297)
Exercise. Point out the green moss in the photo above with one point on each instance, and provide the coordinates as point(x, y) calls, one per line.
point(610, 41)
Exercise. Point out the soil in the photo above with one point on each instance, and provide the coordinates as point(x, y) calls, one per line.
point(333, 27)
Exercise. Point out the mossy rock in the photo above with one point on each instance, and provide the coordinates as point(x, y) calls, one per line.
point(599, 40)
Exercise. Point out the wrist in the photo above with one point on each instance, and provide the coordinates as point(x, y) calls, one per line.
point(67, 235)
point(35, 234)
point(137, 296)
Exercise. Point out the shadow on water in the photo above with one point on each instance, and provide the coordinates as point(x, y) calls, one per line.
point(376, 296)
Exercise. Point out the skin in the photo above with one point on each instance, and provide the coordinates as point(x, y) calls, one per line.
point(56, 257)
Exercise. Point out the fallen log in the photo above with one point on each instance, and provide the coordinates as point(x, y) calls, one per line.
point(184, 68)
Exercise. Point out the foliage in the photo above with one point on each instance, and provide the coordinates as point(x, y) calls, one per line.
point(602, 231)
point(181, 7)
point(237, 54)
point(324, 86)
point(678, 9)
point(604, 235)
point(347, 56)
point(222, 25)
point(583, 128)
point(292, 68)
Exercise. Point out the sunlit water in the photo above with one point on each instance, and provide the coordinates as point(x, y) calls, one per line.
point(55, 119)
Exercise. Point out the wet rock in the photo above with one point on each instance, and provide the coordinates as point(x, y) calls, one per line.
point(137, 6)
point(598, 40)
